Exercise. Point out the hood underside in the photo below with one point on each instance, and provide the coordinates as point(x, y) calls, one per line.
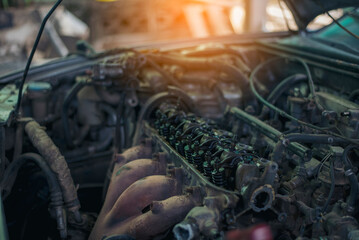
point(304, 11)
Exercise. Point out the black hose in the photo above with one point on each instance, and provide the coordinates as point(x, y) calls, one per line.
point(314, 138)
point(46, 147)
point(54, 186)
point(12, 170)
point(126, 128)
point(281, 88)
point(111, 113)
point(301, 61)
point(354, 186)
point(223, 103)
point(312, 214)
point(33, 50)
point(284, 86)
point(332, 187)
point(64, 117)
point(270, 105)
point(93, 148)
point(120, 126)
point(283, 113)
point(110, 98)
point(303, 138)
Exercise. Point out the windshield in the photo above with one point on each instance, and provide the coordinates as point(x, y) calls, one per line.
point(334, 34)
point(107, 24)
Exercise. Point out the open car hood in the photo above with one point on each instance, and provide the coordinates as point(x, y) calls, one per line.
point(304, 11)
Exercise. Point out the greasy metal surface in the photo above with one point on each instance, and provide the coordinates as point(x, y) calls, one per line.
point(268, 131)
point(212, 160)
point(142, 193)
point(162, 215)
point(333, 102)
point(129, 173)
point(141, 200)
point(179, 161)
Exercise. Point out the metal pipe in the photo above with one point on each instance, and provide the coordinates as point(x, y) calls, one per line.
point(142, 193)
point(127, 175)
point(162, 215)
point(281, 88)
point(303, 138)
point(269, 131)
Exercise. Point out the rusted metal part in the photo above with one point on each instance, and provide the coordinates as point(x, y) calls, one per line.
point(162, 215)
point(141, 200)
point(138, 152)
point(177, 159)
point(128, 174)
point(143, 151)
point(199, 220)
point(56, 161)
point(262, 198)
point(204, 220)
point(141, 194)
point(135, 201)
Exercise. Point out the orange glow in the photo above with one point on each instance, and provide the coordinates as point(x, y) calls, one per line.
point(137, 22)
point(106, 0)
point(237, 16)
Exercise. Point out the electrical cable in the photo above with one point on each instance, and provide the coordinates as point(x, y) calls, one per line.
point(284, 16)
point(324, 160)
point(353, 180)
point(341, 26)
point(34, 48)
point(336, 21)
point(280, 89)
point(283, 113)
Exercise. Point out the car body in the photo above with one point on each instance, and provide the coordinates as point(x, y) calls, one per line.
point(249, 136)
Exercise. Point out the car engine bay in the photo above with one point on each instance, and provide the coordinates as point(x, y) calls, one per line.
point(208, 141)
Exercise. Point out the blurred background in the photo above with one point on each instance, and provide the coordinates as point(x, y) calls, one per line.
point(108, 24)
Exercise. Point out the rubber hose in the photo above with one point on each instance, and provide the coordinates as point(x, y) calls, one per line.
point(65, 107)
point(43, 143)
point(303, 138)
point(354, 186)
point(54, 186)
